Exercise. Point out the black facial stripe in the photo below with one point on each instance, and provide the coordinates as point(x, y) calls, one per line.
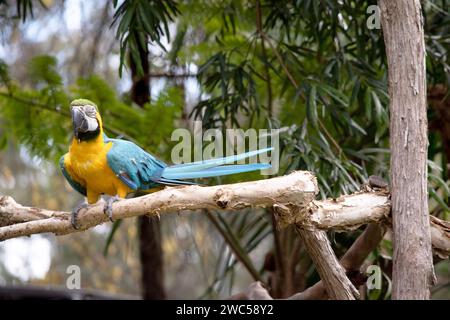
point(89, 135)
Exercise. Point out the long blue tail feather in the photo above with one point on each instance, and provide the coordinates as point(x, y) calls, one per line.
point(213, 167)
point(174, 182)
point(217, 171)
point(200, 165)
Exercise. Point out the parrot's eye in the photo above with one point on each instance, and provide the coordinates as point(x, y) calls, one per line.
point(90, 111)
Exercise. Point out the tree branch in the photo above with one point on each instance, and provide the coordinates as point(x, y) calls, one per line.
point(352, 260)
point(295, 190)
point(172, 75)
point(337, 285)
point(290, 197)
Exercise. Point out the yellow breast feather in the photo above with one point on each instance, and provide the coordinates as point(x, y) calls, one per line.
point(87, 162)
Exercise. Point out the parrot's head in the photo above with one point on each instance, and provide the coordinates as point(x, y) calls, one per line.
point(87, 123)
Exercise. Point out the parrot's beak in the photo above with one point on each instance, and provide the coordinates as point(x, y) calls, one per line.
point(80, 123)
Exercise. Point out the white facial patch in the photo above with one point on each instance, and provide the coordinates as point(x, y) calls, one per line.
point(92, 124)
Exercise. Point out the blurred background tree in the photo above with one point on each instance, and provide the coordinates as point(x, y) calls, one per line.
point(313, 69)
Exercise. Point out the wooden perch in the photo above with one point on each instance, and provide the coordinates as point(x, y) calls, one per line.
point(291, 197)
point(295, 190)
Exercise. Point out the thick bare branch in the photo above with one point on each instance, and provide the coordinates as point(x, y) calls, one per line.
point(352, 260)
point(359, 208)
point(337, 285)
point(345, 213)
point(295, 190)
point(12, 213)
point(291, 198)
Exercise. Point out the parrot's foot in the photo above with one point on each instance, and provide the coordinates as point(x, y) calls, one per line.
point(107, 209)
point(73, 219)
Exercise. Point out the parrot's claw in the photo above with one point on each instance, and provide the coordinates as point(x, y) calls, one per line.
point(107, 209)
point(73, 219)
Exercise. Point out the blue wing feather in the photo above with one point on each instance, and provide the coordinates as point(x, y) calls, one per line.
point(77, 186)
point(136, 168)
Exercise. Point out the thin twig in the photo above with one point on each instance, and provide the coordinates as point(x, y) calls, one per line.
point(280, 59)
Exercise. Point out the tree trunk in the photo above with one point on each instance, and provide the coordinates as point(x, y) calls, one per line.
point(151, 258)
point(140, 88)
point(405, 49)
point(149, 227)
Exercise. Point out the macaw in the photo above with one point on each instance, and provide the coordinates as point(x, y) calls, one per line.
point(98, 165)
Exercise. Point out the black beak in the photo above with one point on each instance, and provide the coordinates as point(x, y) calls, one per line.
point(79, 121)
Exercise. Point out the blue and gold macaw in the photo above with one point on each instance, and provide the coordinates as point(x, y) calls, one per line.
point(97, 165)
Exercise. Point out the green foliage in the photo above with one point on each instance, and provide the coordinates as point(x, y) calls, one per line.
point(236, 91)
point(139, 20)
point(437, 41)
point(38, 117)
point(43, 71)
point(32, 117)
point(325, 72)
point(4, 74)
